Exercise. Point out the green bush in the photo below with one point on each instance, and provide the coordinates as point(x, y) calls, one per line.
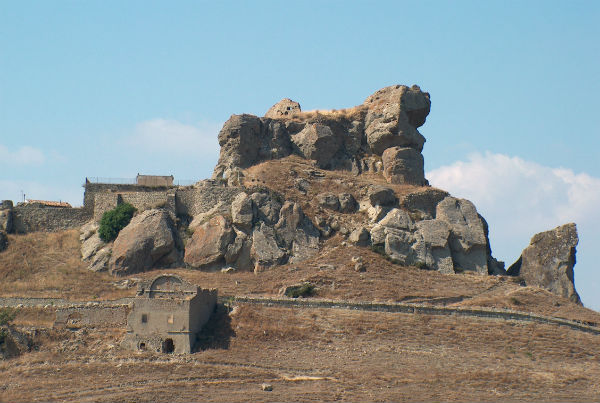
point(114, 221)
point(304, 290)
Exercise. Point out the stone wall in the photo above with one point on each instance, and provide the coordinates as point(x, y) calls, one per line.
point(92, 189)
point(31, 219)
point(141, 200)
point(194, 201)
point(92, 316)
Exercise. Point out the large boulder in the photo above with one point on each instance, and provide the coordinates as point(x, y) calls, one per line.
point(237, 254)
point(90, 246)
point(296, 232)
point(283, 109)
point(240, 140)
point(267, 208)
point(381, 196)
point(468, 240)
point(348, 203)
point(403, 165)
point(431, 246)
point(317, 142)
point(148, 240)
point(425, 244)
point(548, 261)
point(329, 201)
point(398, 219)
point(209, 243)
point(424, 202)
point(394, 113)
point(265, 252)
point(242, 211)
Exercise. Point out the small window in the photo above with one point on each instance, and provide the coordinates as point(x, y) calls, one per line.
point(144, 318)
point(142, 346)
point(170, 319)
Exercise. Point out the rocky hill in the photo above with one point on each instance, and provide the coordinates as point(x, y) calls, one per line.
point(290, 180)
point(404, 300)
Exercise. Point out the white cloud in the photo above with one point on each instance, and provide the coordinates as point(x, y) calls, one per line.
point(519, 198)
point(164, 135)
point(25, 155)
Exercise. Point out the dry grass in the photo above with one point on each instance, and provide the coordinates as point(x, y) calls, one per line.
point(320, 355)
point(282, 176)
point(49, 265)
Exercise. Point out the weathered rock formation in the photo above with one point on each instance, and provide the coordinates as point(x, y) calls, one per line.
point(261, 232)
point(353, 139)
point(148, 240)
point(548, 261)
point(284, 108)
point(254, 228)
point(455, 241)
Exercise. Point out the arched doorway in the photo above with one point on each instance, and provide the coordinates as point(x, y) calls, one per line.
point(168, 346)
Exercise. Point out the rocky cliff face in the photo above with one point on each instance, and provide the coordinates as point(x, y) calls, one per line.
point(379, 135)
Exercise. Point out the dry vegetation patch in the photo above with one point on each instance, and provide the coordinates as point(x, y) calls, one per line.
point(45, 264)
point(320, 355)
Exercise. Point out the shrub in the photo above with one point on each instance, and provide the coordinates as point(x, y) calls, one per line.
point(7, 315)
point(114, 221)
point(421, 265)
point(303, 290)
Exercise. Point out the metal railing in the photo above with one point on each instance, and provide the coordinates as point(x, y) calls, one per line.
point(132, 181)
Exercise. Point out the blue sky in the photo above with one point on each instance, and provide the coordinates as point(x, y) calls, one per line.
point(111, 88)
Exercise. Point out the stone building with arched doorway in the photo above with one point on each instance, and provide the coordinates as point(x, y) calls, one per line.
point(167, 315)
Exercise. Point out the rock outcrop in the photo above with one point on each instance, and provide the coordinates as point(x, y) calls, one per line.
point(548, 262)
point(253, 227)
point(261, 233)
point(149, 240)
point(352, 139)
point(468, 239)
point(209, 243)
point(455, 241)
point(284, 108)
point(6, 215)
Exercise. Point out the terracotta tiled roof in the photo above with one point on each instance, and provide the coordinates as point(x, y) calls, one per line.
point(50, 203)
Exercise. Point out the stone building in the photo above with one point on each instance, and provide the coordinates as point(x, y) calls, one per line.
point(167, 315)
point(153, 180)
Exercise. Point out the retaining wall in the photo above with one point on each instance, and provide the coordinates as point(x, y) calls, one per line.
point(140, 200)
point(31, 219)
point(194, 201)
point(92, 316)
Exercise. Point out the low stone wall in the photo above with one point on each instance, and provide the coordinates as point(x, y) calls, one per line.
point(27, 219)
point(417, 309)
point(92, 316)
